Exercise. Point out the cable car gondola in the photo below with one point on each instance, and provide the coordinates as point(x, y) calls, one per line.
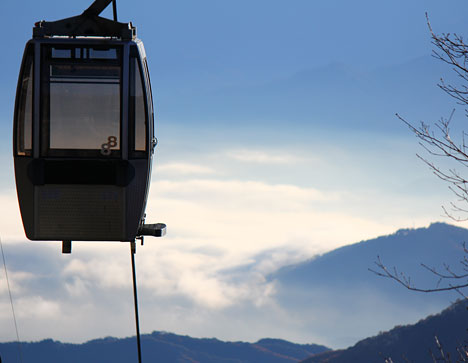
point(83, 134)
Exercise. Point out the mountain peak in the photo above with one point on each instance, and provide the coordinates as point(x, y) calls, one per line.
point(340, 281)
point(411, 342)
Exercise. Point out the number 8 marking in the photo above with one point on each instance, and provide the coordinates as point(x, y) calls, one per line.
point(106, 147)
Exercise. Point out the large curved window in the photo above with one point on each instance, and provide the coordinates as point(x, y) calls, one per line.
point(82, 87)
point(138, 108)
point(24, 112)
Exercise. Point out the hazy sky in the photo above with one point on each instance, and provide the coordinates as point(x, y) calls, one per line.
point(232, 193)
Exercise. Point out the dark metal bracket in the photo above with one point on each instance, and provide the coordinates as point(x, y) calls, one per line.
point(154, 230)
point(89, 23)
point(66, 247)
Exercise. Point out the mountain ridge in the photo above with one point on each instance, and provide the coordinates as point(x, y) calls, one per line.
point(367, 99)
point(411, 343)
point(163, 347)
point(337, 289)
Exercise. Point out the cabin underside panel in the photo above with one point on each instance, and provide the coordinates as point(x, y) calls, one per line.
point(79, 212)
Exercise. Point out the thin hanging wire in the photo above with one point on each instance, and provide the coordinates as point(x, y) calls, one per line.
point(11, 302)
point(135, 298)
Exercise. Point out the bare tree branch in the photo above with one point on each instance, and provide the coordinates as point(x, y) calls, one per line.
point(439, 143)
point(405, 280)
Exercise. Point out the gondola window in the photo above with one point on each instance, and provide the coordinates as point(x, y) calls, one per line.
point(76, 77)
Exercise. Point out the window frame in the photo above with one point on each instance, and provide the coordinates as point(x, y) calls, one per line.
point(19, 125)
point(46, 62)
point(135, 56)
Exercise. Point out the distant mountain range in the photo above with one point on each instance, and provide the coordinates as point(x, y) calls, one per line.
point(335, 294)
point(411, 343)
point(331, 96)
point(159, 347)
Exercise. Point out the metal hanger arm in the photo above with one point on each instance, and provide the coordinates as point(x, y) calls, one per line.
point(96, 8)
point(89, 23)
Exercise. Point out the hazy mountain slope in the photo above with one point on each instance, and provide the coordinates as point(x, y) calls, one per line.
point(406, 249)
point(410, 343)
point(337, 292)
point(160, 347)
point(334, 95)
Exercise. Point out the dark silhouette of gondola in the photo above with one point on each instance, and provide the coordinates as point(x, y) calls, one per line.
point(83, 134)
point(83, 131)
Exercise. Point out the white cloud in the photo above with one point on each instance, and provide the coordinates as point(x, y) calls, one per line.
point(37, 307)
point(183, 169)
point(107, 273)
point(176, 271)
point(251, 194)
point(245, 217)
point(11, 226)
point(262, 157)
point(16, 280)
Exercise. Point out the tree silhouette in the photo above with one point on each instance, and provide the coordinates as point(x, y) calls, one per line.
point(438, 142)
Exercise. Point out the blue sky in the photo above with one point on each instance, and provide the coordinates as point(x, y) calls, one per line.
point(233, 179)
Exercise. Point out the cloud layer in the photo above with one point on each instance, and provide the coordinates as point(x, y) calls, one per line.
point(231, 222)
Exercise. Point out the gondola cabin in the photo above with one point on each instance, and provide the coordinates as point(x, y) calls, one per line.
point(83, 131)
